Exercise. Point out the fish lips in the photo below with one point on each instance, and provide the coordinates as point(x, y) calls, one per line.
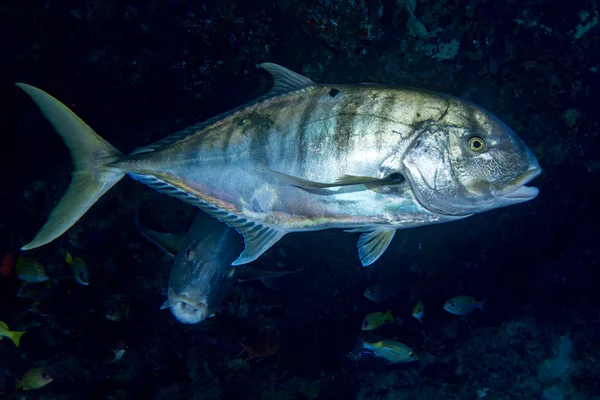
point(516, 190)
point(187, 310)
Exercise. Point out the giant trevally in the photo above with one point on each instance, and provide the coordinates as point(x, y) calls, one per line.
point(368, 158)
point(202, 274)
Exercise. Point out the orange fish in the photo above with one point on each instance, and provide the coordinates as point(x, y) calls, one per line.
point(262, 348)
point(8, 264)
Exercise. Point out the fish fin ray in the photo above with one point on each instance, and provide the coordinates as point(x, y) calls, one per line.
point(170, 243)
point(248, 273)
point(285, 80)
point(372, 243)
point(177, 136)
point(258, 238)
point(91, 177)
point(15, 336)
point(345, 180)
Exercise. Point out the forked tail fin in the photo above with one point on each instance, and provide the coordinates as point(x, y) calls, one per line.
point(91, 177)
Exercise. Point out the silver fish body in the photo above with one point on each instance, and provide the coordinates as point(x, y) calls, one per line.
point(308, 157)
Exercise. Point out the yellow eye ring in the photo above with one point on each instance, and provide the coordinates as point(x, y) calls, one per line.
point(476, 144)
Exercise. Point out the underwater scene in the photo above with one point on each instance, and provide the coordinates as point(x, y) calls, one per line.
point(292, 200)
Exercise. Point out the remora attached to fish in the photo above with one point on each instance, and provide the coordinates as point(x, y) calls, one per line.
point(368, 158)
point(202, 274)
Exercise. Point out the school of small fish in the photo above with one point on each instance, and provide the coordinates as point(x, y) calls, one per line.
point(395, 352)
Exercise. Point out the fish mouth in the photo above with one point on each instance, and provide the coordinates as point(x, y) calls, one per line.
point(516, 190)
point(186, 310)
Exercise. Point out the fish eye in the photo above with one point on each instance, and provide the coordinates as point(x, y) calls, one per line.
point(411, 354)
point(452, 304)
point(476, 144)
point(45, 375)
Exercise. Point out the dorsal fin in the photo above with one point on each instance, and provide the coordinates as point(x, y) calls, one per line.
point(285, 80)
point(258, 238)
point(172, 138)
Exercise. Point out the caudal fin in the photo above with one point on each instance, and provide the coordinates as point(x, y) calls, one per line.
point(16, 337)
point(91, 177)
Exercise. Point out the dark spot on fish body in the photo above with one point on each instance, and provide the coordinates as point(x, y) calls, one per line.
point(305, 133)
point(341, 137)
point(333, 92)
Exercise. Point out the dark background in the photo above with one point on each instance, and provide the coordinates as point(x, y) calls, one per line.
point(138, 71)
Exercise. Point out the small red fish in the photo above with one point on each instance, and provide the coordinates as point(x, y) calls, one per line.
point(7, 266)
point(262, 348)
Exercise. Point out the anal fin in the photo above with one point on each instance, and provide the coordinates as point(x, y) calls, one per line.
point(372, 243)
point(257, 237)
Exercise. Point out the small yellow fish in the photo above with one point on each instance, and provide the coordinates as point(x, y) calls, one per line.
point(375, 320)
point(463, 305)
point(418, 311)
point(80, 270)
point(35, 378)
point(30, 270)
point(391, 351)
point(15, 336)
point(119, 313)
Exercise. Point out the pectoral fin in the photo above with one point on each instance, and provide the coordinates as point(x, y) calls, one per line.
point(344, 180)
point(170, 243)
point(372, 243)
point(248, 273)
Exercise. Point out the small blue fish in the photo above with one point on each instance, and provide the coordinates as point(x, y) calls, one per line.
point(379, 293)
point(463, 305)
point(391, 351)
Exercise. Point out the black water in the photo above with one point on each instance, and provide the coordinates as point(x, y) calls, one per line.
point(137, 71)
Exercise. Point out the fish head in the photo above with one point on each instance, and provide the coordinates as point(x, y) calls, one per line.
point(367, 325)
point(452, 306)
point(186, 309)
point(469, 162)
point(202, 274)
point(46, 378)
point(197, 287)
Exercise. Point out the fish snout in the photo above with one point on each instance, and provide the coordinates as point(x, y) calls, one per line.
point(517, 190)
point(188, 311)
